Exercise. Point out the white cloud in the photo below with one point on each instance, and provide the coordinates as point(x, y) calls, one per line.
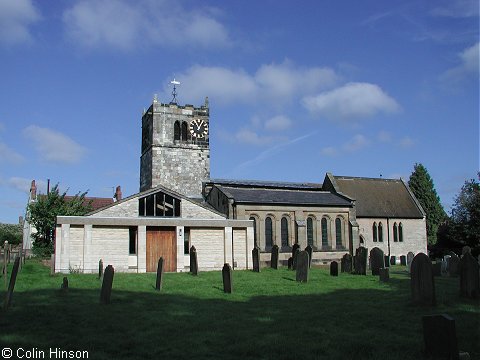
point(278, 123)
point(15, 18)
point(9, 155)
point(246, 136)
point(23, 184)
point(469, 66)
point(127, 25)
point(351, 101)
point(384, 136)
point(54, 146)
point(406, 142)
point(457, 9)
point(329, 151)
point(356, 143)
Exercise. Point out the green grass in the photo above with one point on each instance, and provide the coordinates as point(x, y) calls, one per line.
point(269, 316)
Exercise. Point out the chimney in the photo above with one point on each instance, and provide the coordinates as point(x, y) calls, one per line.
point(118, 193)
point(33, 191)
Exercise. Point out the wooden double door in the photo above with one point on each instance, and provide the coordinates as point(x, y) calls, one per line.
point(161, 242)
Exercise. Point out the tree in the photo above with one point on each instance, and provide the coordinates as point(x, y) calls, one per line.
point(44, 212)
point(11, 233)
point(422, 187)
point(465, 218)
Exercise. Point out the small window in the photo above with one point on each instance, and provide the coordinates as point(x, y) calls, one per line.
point(400, 232)
point(132, 232)
point(284, 228)
point(176, 131)
point(380, 232)
point(186, 241)
point(395, 232)
point(338, 233)
point(310, 231)
point(374, 230)
point(184, 131)
point(268, 233)
point(255, 244)
point(324, 233)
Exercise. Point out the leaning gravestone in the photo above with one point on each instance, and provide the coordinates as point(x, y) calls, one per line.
point(159, 282)
point(445, 264)
point(384, 274)
point(290, 263)
point(256, 259)
point(302, 266)
point(11, 284)
point(403, 260)
point(346, 263)
point(227, 278)
point(361, 261)
point(469, 277)
point(410, 257)
point(274, 257)
point(100, 268)
point(333, 268)
point(421, 280)
point(193, 261)
point(294, 262)
point(440, 337)
point(453, 264)
point(309, 250)
point(376, 260)
point(107, 283)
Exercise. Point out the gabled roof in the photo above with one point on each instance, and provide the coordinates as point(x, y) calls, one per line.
point(95, 202)
point(253, 195)
point(380, 197)
point(264, 184)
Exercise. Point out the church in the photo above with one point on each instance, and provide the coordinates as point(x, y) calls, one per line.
point(179, 206)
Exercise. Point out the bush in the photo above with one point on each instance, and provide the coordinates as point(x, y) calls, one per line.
point(42, 250)
point(12, 233)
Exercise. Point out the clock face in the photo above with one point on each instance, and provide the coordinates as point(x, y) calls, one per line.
point(198, 128)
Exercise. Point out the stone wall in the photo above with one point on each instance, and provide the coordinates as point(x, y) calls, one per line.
point(210, 247)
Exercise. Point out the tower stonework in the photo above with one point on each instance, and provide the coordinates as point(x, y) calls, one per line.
point(172, 155)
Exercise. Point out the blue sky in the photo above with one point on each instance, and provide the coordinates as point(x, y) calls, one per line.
point(296, 89)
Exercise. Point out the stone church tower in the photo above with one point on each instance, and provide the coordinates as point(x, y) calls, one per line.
point(175, 147)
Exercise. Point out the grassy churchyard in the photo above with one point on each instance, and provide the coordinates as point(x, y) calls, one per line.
point(268, 316)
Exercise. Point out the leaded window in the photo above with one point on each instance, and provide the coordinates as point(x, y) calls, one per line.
point(255, 244)
point(284, 232)
point(395, 232)
point(268, 233)
point(159, 204)
point(324, 233)
point(310, 231)
point(184, 131)
point(374, 230)
point(176, 131)
point(338, 233)
point(380, 232)
point(400, 232)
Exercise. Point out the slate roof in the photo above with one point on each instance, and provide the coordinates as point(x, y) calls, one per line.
point(284, 196)
point(380, 197)
point(265, 184)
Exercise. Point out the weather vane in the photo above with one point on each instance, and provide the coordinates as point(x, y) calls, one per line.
point(174, 92)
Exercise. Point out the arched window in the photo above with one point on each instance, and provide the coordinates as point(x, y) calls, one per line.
point(255, 243)
point(284, 234)
point(324, 233)
point(338, 233)
point(395, 232)
point(268, 233)
point(310, 231)
point(380, 232)
point(400, 232)
point(176, 131)
point(184, 131)
point(374, 230)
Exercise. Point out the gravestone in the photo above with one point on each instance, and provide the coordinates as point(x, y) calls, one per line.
point(290, 263)
point(469, 277)
point(256, 259)
point(227, 279)
point(294, 249)
point(302, 266)
point(159, 282)
point(361, 261)
point(294, 262)
point(466, 250)
point(403, 260)
point(386, 261)
point(64, 286)
point(11, 284)
point(376, 260)
point(107, 283)
point(333, 268)
point(393, 260)
point(100, 268)
point(445, 263)
point(410, 257)
point(309, 250)
point(193, 261)
point(384, 274)
point(346, 263)
point(440, 337)
point(453, 265)
point(437, 268)
point(421, 280)
point(274, 257)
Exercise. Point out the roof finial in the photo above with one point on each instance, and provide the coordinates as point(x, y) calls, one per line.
point(174, 92)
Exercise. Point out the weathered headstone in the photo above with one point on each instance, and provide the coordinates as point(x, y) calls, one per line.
point(227, 279)
point(333, 268)
point(445, 264)
point(294, 249)
point(100, 268)
point(453, 264)
point(346, 263)
point(386, 261)
point(64, 286)
point(309, 250)
point(384, 274)
point(393, 260)
point(274, 257)
point(290, 263)
point(294, 262)
point(107, 283)
point(159, 282)
point(403, 260)
point(437, 268)
point(410, 256)
point(11, 284)
point(256, 259)
point(440, 337)
point(193, 261)
point(302, 266)
point(466, 250)
point(361, 261)
point(421, 280)
point(376, 260)
point(469, 276)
